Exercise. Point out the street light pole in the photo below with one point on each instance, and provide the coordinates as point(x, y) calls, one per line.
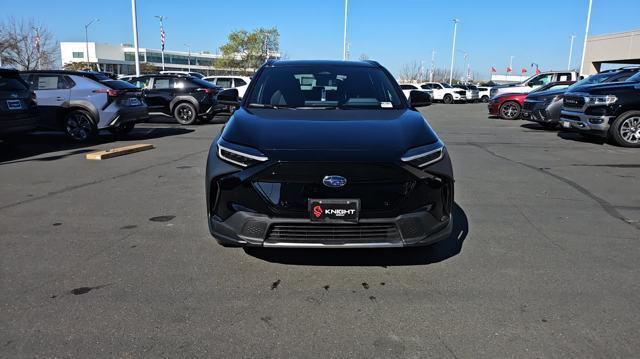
point(189, 58)
point(573, 37)
point(86, 38)
point(453, 49)
point(433, 65)
point(586, 34)
point(134, 17)
point(344, 39)
point(162, 37)
point(511, 64)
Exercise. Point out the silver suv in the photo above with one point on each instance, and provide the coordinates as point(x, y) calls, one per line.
point(83, 103)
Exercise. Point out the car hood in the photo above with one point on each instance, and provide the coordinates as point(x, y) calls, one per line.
point(603, 88)
point(545, 94)
point(329, 135)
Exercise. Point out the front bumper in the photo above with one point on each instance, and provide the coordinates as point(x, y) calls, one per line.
point(267, 204)
point(252, 229)
point(494, 108)
point(598, 125)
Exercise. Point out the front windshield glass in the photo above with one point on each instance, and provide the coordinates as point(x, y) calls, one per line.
point(324, 86)
point(593, 79)
point(634, 78)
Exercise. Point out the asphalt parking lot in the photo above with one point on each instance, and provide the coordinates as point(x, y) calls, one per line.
point(114, 259)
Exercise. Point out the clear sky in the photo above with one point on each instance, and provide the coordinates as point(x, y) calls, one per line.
point(392, 32)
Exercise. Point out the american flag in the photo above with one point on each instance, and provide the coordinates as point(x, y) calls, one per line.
point(37, 41)
point(162, 36)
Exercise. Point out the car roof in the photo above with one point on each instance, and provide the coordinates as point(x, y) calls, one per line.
point(9, 72)
point(282, 63)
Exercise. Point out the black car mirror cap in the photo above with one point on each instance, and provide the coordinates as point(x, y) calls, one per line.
point(228, 97)
point(419, 99)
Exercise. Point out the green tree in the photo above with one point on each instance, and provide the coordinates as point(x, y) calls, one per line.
point(246, 51)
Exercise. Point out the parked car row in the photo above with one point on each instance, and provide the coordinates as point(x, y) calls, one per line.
point(82, 103)
point(443, 92)
point(605, 105)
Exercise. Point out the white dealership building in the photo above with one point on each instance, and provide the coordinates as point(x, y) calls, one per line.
point(120, 59)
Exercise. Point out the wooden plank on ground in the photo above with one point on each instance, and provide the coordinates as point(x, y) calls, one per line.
point(119, 151)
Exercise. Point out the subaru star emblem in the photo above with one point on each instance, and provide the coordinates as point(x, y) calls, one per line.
point(334, 181)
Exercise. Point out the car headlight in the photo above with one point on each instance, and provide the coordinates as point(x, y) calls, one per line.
point(600, 100)
point(424, 155)
point(239, 156)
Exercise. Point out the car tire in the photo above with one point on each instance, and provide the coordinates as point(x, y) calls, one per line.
point(625, 130)
point(510, 110)
point(447, 99)
point(485, 99)
point(122, 129)
point(185, 113)
point(79, 126)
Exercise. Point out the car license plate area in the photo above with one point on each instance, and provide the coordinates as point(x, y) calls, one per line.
point(566, 124)
point(14, 104)
point(334, 210)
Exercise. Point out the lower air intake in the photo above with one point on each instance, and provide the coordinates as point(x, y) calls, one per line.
point(333, 233)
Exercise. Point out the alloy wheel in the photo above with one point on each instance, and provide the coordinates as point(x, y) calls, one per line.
point(78, 126)
point(509, 111)
point(184, 113)
point(630, 130)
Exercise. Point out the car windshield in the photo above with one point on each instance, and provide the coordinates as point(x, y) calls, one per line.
point(202, 83)
point(324, 86)
point(634, 78)
point(593, 79)
point(118, 84)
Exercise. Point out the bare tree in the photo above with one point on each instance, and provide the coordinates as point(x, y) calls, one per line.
point(410, 72)
point(27, 45)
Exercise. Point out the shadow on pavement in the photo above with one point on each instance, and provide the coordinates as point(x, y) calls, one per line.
point(538, 127)
point(578, 137)
point(373, 257)
point(158, 118)
point(15, 149)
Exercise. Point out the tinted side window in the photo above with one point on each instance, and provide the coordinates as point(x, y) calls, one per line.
point(50, 82)
point(141, 83)
point(11, 84)
point(240, 82)
point(162, 83)
point(224, 82)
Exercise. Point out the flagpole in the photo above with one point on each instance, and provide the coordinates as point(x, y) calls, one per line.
point(162, 37)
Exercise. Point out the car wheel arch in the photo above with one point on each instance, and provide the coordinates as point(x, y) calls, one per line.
point(180, 99)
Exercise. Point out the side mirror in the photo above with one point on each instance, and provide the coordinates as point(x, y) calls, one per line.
point(228, 97)
point(419, 99)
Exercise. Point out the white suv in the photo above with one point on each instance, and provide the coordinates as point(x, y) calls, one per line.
point(444, 92)
point(226, 82)
point(82, 103)
point(407, 88)
point(534, 82)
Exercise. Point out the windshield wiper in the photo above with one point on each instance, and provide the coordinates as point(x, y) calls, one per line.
point(266, 105)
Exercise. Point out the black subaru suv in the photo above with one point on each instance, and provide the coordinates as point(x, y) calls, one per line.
point(328, 154)
point(186, 98)
point(610, 110)
point(18, 108)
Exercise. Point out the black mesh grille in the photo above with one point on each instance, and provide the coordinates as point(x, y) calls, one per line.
point(333, 233)
point(573, 101)
point(528, 105)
